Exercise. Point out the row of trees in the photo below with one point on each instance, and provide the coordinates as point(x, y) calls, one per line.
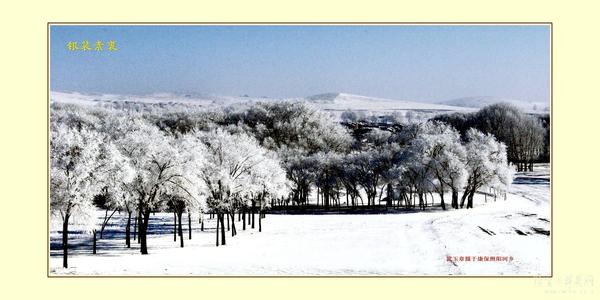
point(525, 136)
point(395, 164)
point(401, 168)
point(143, 169)
point(145, 159)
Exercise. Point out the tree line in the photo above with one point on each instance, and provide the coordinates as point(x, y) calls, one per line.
point(243, 159)
point(526, 136)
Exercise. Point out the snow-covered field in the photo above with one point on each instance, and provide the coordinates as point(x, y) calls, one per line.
point(407, 243)
point(327, 101)
point(332, 102)
point(344, 101)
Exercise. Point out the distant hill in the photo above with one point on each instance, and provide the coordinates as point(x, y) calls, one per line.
point(199, 99)
point(333, 103)
point(479, 102)
point(343, 101)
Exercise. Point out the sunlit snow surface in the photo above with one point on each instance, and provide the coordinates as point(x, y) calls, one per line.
point(409, 243)
point(328, 101)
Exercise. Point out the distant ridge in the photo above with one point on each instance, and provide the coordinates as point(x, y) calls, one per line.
point(479, 102)
point(323, 97)
point(333, 101)
point(345, 101)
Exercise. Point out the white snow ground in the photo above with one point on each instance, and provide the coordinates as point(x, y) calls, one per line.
point(328, 101)
point(412, 243)
point(332, 102)
point(197, 99)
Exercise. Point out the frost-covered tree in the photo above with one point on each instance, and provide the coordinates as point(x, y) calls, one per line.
point(328, 174)
point(370, 168)
point(523, 134)
point(296, 131)
point(530, 140)
point(75, 116)
point(74, 167)
point(270, 180)
point(158, 169)
point(187, 196)
point(127, 203)
point(301, 169)
point(348, 175)
point(443, 157)
point(116, 174)
point(291, 124)
point(119, 193)
point(377, 138)
point(349, 116)
point(234, 171)
point(417, 173)
point(486, 163)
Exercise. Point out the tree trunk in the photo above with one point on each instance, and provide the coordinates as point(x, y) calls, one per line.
point(381, 194)
point(65, 240)
point(389, 194)
point(347, 199)
point(233, 231)
point(464, 197)
point(217, 236)
point(135, 224)
point(223, 229)
point(227, 221)
point(190, 225)
point(128, 231)
point(454, 198)
point(470, 199)
point(443, 204)
point(139, 226)
point(244, 219)
point(94, 243)
point(144, 232)
point(260, 222)
point(105, 222)
point(180, 228)
point(202, 225)
point(253, 208)
point(372, 195)
point(174, 226)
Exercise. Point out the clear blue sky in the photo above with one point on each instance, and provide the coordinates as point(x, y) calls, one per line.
point(422, 63)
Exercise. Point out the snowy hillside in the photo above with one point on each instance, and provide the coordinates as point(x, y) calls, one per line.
point(479, 102)
point(333, 102)
point(343, 101)
point(199, 99)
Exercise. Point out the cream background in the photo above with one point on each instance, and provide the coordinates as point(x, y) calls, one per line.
point(23, 148)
